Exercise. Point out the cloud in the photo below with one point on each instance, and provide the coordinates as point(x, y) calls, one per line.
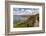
point(24, 11)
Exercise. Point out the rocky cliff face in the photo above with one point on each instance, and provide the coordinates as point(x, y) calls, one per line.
point(35, 19)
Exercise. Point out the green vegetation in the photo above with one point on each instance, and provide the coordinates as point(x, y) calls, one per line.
point(28, 23)
point(24, 24)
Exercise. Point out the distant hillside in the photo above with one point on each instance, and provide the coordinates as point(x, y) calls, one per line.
point(28, 23)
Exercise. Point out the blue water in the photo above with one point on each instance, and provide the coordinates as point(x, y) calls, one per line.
point(18, 19)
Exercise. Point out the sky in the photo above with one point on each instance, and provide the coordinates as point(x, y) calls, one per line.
point(24, 11)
